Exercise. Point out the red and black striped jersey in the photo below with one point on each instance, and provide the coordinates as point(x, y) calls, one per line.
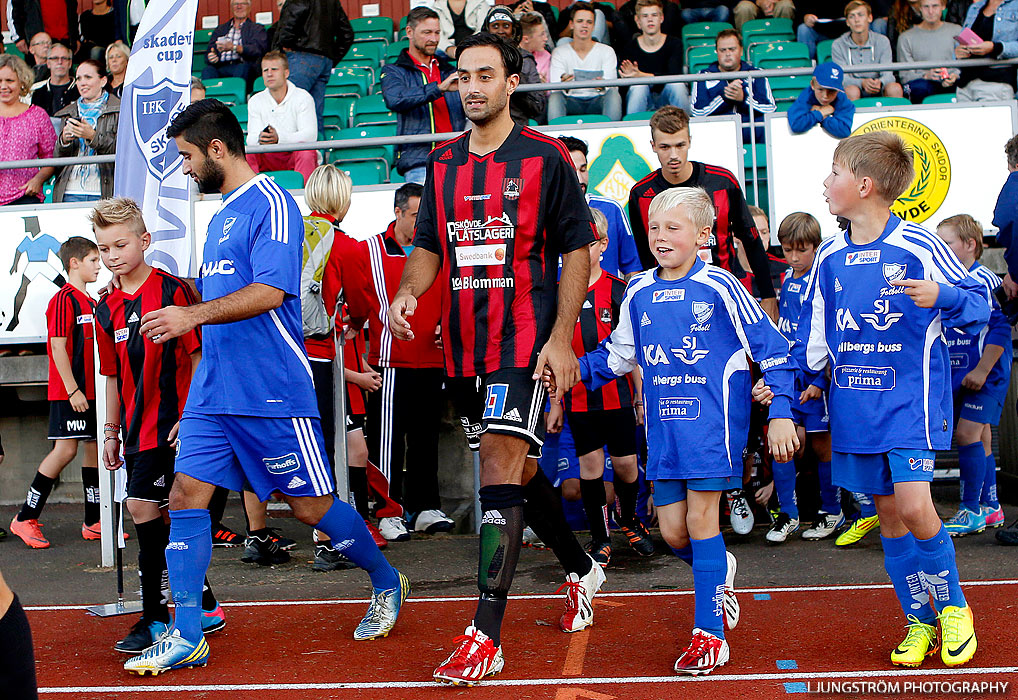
point(69, 315)
point(598, 318)
point(733, 221)
point(499, 223)
point(152, 380)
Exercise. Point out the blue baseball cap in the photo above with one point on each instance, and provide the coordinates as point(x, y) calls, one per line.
point(829, 75)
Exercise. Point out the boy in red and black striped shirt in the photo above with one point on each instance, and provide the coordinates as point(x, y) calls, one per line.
point(71, 394)
point(146, 388)
point(604, 416)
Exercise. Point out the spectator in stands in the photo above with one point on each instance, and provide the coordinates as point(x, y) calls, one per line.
point(281, 113)
point(905, 14)
point(930, 40)
point(652, 53)
point(58, 18)
point(524, 7)
point(315, 34)
point(117, 57)
point(535, 40)
point(523, 106)
point(598, 33)
point(58, 91)
point(996, 23)
point(818, 20)
point(748, 10)
point(858, 47)
point(1005, 218)
point(423, 106)
point(38, 50)
point(626, 27)
point(26, 133)
point(197, 89)
point(89, 129)
point(824, 103)
point(236, 46)
point(584, 59)
point(705, 11)
point(98, 30)
point(458, 19)
point(732, 96)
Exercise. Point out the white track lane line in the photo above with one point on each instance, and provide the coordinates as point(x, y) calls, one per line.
point(469, 599)
point(716, 678)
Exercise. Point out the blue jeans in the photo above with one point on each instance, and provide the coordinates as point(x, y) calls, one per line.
point(417, 174)
point(310, 72)
point(810, 37)
point(80, 198)
point(231, 70)
point(706, 14)
point(641, 99)
point(609, 104)
point(919, 89)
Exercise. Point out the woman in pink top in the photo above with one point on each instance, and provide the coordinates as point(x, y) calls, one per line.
point(26, 132)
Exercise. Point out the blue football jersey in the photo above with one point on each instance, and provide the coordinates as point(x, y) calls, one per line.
point(694, 339)
point(790, 303)
point(256, 367)
point(620, 257)
point(966, 350)
point(890, 374)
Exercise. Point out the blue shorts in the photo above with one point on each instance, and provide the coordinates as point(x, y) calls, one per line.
point(812, 415)
point(269, 454)
point(978, 407)
point(878, 473)
point(559, 461)
point(668, 491)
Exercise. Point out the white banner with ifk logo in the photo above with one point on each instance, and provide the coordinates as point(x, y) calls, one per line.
point(156, 89)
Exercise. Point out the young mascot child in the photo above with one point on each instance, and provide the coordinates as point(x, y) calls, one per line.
point(693, 330)
point(146, 387)
point(980, 376)
point(71, 394)
point(879, 298)
point(799, 235)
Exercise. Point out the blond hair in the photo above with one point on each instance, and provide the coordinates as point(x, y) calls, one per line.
point(696, 202)
point(799, 228)
point(756, 211)
point(118, 47)
point(882, 157)
point(600, 223)
point(329, 190)
point(117, 210)
point(967, 229)
point(26, 76)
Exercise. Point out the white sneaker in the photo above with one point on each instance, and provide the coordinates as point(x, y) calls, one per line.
point(393, 529)
point(732, 608)
point(783, 526)
point(825, 526)
point(432, 521)
point(741, 514)
point(580, 592)
point(530, 539)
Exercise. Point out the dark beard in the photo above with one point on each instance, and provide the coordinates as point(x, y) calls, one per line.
point(211, 177)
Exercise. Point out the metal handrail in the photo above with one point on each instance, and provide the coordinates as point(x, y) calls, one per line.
point(619, 82)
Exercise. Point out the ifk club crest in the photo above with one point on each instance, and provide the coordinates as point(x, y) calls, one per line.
point(153, 107)
point(928, 189)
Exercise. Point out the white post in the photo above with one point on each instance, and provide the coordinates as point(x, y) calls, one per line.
point(106, 477)
point(339, 407)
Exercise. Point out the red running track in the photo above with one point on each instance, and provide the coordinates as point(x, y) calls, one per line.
point(787, 642)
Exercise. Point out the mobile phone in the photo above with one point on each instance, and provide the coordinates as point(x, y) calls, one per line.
point(266, 129)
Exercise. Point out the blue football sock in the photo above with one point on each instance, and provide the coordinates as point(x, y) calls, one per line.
point(989, 495)
point(685, 553)
point(350, 536)
point(830, 501)
point(936, 556)
point(710, 564)
point(972, 464)
point(901, 560)
point(187, 559)
point(784, 484)
point(867, 508)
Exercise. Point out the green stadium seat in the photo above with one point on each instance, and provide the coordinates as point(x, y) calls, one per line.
point(372, 110)
point(372, 50)
point(198, 63)
point(783, 106)
point(352, 65)
point(702, 30)
point(747, 159)
point(13, 49)
point(240, 111)
point(337, 113)
point(364, 77)
point(759, 31)
point(788, 87)
point(578, 119)
point(345, 85)
point(287, 179)
point(697, 43)
point(638, 117)
point(372, 24)
point(364, 172)
point(373, 36)
point(201, 40)
point(824, 51)
point(47, 191)
point(402, 27)
point(946, 98)
point(259, 85)
point(881, 102)
point(780, 54)
point(394, 49)
point(395, 178)
point(232, 91)
point(699, 57)
point(387, 154)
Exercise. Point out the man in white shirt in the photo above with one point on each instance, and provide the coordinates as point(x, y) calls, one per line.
point(281, 113)
point(584, 59)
